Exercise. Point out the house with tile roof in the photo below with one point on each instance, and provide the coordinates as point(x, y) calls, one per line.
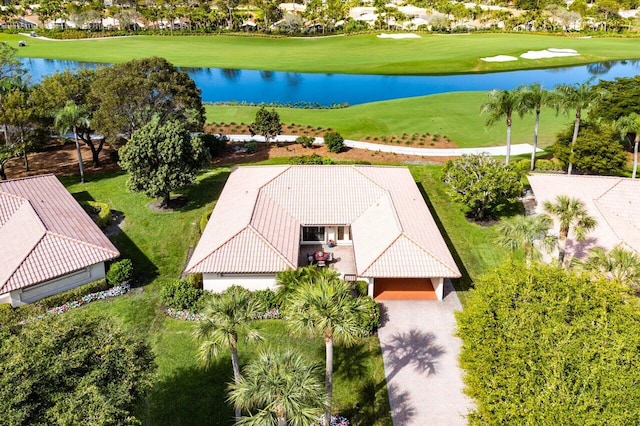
point(49, 244)
point(372, 223)
point(613, 201)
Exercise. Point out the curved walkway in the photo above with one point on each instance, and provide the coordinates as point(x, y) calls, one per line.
point(516, 149)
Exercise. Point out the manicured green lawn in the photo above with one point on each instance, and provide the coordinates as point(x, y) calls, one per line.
point(456, 115)
point(366, 54)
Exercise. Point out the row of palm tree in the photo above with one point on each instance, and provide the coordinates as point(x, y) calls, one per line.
point(531, 235)
point(503, 104)
point(279, 387)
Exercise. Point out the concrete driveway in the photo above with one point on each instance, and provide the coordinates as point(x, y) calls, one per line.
point(420, 355)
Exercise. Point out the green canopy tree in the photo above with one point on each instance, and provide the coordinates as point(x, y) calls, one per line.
point(326, 307)
point(279, 388)
point(534, 97)
point(266, 124)
point(78, 369)
point(227, 316)
point(576, 97)
point(542, 345)
point(572, 215)
point(630, 125)
point(527, 233)
point(71, 118)
point(130, 94)
point(502, 104)
point(481, 184)
point(162, 157)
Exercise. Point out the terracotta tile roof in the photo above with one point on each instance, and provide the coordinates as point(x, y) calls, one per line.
point(613, 201)
point(51, 234)
point(256, 224)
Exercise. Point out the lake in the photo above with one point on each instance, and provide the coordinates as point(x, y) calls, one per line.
point(227, 85)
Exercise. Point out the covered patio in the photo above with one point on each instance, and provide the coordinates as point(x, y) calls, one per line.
point(343, 258)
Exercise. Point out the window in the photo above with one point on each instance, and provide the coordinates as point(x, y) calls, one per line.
point(344, 233)
point(313, 233)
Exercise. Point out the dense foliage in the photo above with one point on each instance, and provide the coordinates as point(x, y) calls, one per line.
point(266, 124)
point(162, 157)
point(334, 141)
point(120, 272)
point(180, 294)
point(72, 370)
point(545, 346)
point(597, 150)
point(130, 94)
point(481, 184)
point(620, 99)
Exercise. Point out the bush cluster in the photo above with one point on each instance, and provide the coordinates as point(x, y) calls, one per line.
point(305, 141)
point(334, 141)
point(370, 321)
point(266, 299)
point(99, 212)
point(71, 295)
point(215, 144)
point(251, 146)
point(180, 294)
point(120, 272)
point(311, 159)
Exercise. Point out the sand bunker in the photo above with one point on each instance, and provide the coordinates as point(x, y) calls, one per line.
point(499, 58)
point(549, 53)
point(398, 36)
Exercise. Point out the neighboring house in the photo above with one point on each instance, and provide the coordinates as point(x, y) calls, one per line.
point(272, 218)
point(613, 201)
point(48, 243)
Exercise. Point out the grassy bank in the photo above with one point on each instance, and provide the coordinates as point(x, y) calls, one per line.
point(367, 54)
point(456, 115)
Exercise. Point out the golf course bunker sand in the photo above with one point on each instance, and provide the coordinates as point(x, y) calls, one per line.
point(499, 58)
point(398, 36)
point(549, 53)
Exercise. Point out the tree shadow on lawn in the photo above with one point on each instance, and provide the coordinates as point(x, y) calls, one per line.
point(372, 406)
point(144, 270)
point(204, 191)
point(350, 362)
point(191, 396)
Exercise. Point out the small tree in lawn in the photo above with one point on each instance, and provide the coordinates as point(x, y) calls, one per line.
point(481, 184)
point(266, 124)
point(162, 158)
point(334, 141)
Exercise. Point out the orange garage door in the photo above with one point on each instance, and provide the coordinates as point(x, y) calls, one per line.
point(404, 289)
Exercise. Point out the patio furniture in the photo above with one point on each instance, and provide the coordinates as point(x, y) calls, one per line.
point(330, 258)
point(321, 264)
point(320, 255)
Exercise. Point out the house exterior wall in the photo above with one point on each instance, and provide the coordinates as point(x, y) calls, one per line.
point(55, 286)
point(219, 282)
point(438, 286)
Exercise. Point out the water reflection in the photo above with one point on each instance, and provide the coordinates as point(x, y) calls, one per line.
point(226, 85)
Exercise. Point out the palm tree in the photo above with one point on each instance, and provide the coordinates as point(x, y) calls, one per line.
point(572, 215)
point(227, 315)
point(574, 97)
point(69, 118)
point(326, 307)
point(630, 124)
point(279, 388)
point(534, 97)
point(618, 265)
point(502, 104)
point(523, 232)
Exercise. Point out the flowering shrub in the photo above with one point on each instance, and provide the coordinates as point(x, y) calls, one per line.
point(118, 290)
point(184, 315)
point(336, 420)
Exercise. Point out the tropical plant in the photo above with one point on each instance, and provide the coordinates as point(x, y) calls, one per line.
point(70, 118)
point(326, 307)
point(576, 97)
point(618, 265)
point(572, 215)
point(279, 388)
point(227, 316)
point(630, 125)
point(542, 345)
point(534, 97)
point(529, 233)
point(502, 104)
point(481, 184)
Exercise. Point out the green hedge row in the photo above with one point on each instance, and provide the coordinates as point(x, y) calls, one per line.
point(99, 212)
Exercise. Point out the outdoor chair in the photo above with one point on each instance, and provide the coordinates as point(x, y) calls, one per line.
point(321, 264)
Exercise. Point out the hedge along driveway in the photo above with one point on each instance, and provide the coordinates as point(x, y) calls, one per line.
point(430, 54)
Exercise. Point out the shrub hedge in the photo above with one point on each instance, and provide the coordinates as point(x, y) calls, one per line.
point(180, 294)
point(99, 212)
point(120, 272)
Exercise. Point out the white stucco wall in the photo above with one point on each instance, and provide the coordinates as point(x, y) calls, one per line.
point(438, 286)
point(220, 282)
point(58, 285)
